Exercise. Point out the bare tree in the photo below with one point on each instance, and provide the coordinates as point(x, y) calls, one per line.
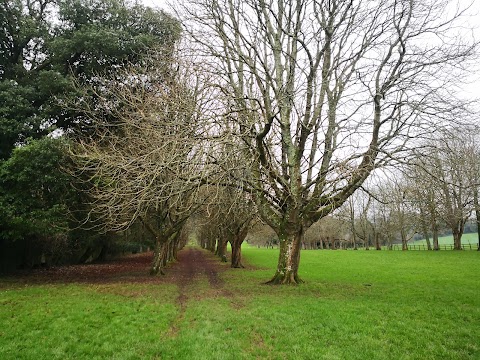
point(320, 93)
point(261, 234)
point(449, 164)
point(401, 209)
point(227, 216)
point(472, 153)
point(329, 230)
point(349, 212)
point(145, 161)
point(425, 197)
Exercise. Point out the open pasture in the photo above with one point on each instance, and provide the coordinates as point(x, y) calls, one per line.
point(353, 305)
point(467, 239)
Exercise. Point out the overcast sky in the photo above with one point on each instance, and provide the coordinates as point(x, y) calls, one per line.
point(473, 89)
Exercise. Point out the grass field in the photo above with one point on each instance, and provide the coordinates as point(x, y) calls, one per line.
point(354, 305)
point(471, 238)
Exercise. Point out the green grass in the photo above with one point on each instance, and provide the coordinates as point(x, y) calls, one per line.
point(471, 238)
point(80, 321)
point(354, 305)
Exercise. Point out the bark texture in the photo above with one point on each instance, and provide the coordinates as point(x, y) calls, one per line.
point(288, 260)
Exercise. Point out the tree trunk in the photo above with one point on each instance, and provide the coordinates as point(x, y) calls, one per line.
point(427, 239)
point(211, 245)
point(333, 246)
point(85, 256)
point(237, 242)
point(457, 240)
point(160, 257)
point(288, 260)
point(221, 251)
point(377, 241)
point(170, 251)
point(175, 252)
point(156, 267)
point(436, 246)
point(404, 240)
point(237, 252)
point(424, 228)
point(476, 204)
point(102, 256)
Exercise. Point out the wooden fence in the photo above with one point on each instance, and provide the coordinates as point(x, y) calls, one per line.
point(473, 246)
point(441, 247)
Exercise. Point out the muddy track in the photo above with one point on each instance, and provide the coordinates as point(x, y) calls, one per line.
point(193, 262)
point(191, 265)
point(194, 265)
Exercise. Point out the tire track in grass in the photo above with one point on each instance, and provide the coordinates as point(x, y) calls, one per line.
point(192, 267)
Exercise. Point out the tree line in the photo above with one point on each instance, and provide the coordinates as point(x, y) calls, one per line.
point(239, 112)
point(51, 53)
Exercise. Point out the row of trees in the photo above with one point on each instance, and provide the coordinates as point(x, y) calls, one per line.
point(273, 109)
point(437, 190)
point(51, 53)
point(316, 95)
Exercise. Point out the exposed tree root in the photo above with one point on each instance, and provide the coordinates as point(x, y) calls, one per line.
point(285, 279)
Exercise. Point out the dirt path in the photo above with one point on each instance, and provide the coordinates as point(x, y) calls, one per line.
point(191, 265)
point(193, 262)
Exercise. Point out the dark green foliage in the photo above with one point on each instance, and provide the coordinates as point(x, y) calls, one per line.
point(34, 192)
point(41, 53)
point(35, 198)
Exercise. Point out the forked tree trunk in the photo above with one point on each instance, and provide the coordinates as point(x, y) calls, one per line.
point(354, 240)
point(427, 239)
point(457, 240)
point(160, 255)
point(288, 260)
point(236, 242)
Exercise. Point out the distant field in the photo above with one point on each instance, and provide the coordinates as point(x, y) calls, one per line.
point(471, 238)
point(355, 305)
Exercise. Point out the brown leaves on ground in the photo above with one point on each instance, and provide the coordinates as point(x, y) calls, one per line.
point(191, 263)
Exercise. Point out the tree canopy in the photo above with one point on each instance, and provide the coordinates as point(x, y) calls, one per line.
point(45, 44)
point(52, 52)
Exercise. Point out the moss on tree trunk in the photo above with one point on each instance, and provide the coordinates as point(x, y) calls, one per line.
point(289, 260)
